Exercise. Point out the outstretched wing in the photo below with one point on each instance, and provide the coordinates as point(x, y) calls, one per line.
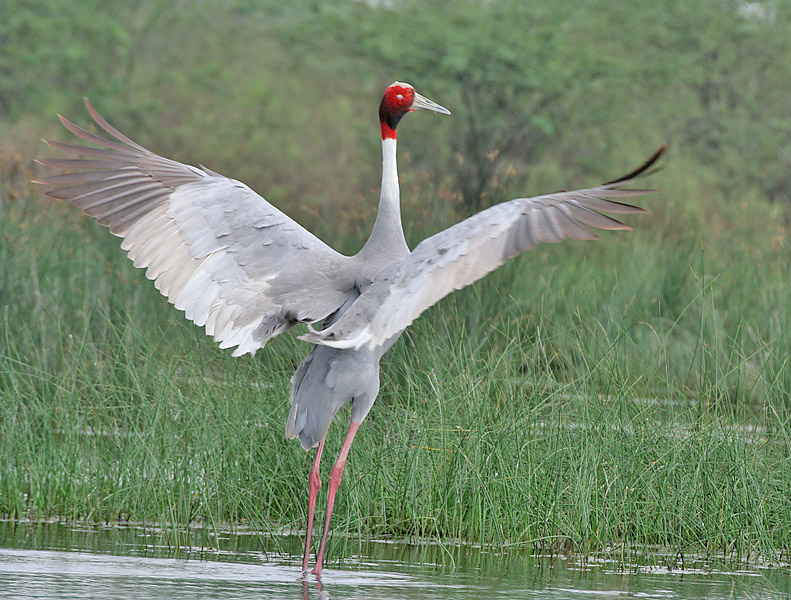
point(217, 250)
point(469, 250)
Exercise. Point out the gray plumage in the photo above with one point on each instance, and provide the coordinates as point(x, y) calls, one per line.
point(245, 271)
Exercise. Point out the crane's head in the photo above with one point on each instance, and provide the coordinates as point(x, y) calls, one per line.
point(399, 99)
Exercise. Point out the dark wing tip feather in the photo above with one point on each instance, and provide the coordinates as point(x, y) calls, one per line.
point(616, 225)
point(644, 169)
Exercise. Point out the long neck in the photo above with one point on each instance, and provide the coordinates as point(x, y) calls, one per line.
point(387, 236)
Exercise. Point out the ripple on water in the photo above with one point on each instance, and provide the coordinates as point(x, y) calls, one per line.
point(61, 562)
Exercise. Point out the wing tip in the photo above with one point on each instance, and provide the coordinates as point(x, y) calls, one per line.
point(644, 169)
point(89, 107)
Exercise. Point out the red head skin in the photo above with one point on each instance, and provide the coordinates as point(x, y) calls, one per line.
point(396, 102)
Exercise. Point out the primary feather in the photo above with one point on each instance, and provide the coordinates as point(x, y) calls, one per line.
point(231, 261)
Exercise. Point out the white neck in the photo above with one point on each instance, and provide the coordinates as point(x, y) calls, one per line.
point(387, 236)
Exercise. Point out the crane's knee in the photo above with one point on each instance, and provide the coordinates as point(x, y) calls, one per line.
point(314, 480)
point(335, 476)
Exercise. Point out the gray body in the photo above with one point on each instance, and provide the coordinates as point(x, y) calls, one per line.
point(245, 271)
point(326, 380)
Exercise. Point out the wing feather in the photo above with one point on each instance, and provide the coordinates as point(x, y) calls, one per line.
point(464, 253)
point(220, 252)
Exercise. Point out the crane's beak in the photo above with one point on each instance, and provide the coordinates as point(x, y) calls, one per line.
point(425, 103)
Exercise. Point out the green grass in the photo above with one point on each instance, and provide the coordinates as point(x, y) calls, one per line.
point(623, 396)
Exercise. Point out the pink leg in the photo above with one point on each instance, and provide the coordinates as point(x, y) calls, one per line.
point(335, 481)
point(314, 485)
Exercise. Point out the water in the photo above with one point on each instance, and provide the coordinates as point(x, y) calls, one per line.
point(59, 562)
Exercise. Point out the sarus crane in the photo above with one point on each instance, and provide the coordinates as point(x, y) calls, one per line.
point(247, 272)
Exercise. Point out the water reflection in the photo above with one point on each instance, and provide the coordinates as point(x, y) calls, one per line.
point(63, 562)
point(321, 594)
